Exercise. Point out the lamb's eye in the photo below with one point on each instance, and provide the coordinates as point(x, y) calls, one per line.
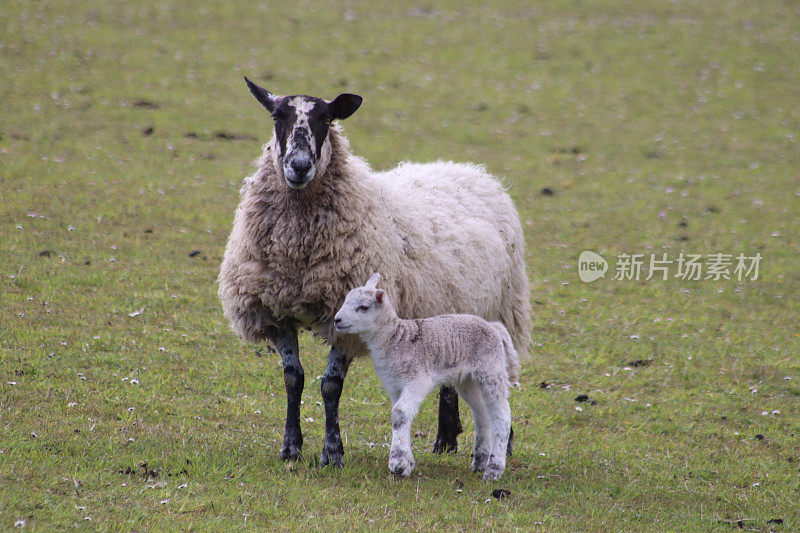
point(362, 308)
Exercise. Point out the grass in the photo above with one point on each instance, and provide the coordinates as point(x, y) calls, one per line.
point(126, 402)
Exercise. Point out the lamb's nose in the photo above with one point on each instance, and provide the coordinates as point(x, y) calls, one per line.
point(337, 321)
point(301, 166)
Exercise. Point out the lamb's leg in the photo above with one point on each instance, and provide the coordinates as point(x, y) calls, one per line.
point(294, 380)
point(482, 448)
point(332, 382)
point(500, 413)
point(449, 422)
point(401, 459)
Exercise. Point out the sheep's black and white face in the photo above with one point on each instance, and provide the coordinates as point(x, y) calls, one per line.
point(301, 131)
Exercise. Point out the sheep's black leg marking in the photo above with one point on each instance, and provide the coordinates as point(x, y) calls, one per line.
point(510, 447)
point(449, 422)
point(294, 379)
point(332, 382)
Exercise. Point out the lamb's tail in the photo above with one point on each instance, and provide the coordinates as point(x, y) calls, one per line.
point(512, 358)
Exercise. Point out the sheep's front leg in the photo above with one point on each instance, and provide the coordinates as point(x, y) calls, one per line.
point(332, 383)
point(294, 380)
point(449, 422)
point(401, 458)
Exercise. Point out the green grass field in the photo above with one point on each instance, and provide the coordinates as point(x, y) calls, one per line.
point(126, 403)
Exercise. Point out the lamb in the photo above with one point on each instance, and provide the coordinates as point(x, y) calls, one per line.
point(314, 221)
point(411, 357)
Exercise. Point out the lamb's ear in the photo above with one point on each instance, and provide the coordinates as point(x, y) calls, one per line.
point(379, 295)
point(344, 105)
point(266, 98)
point(373, 281)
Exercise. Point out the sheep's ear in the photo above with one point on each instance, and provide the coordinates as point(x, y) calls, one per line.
point(379, 295)
point(344, 105)
point(373, 281)
point(266, 98)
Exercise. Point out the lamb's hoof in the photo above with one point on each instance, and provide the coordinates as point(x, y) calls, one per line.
point(401, 463)
point(493, 472)
point(332, 455)
point(479, 461)
point(446, 443)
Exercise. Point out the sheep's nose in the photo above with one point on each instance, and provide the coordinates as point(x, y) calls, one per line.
point(337, 321)
point(301, 166)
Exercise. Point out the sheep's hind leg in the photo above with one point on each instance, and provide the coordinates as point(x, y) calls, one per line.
point(500, 412)
point(449, 422)
point(332, 383)
point(482, 447)
point(294, 379)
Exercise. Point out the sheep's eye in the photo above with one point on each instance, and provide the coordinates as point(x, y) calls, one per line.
point(328, 122)
point(362, 308)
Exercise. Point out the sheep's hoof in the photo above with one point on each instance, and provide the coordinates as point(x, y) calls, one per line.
point(401, 463)
point(290, 452)
point(479, 460)
point(445, 444)
point(331, 456)
point(493, 472)
point(449, 423)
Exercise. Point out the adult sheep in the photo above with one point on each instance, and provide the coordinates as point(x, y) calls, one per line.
point(315, 221)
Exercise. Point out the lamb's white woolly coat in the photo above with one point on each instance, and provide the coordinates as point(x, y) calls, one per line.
point(445, 236)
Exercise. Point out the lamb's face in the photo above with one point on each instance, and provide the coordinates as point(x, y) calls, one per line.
point(301, 131)
point(360, 311)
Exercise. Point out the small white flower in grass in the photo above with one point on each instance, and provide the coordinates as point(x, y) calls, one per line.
point(71, 404)
point(309, 419)
point(20, 522)
point(12, 382)
point(131, 409)
point(71, 228)
point(257, 411)
point(136, 313)
point(183, 486)
point(764, 413)
point(578, 408)
point(87, 518)
point(162, 349)
point(19, 226)
point(787, 378)
point(756, 484)
point(634, 336)
point(134, 381)
point(775, 412)
point(164, 502)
